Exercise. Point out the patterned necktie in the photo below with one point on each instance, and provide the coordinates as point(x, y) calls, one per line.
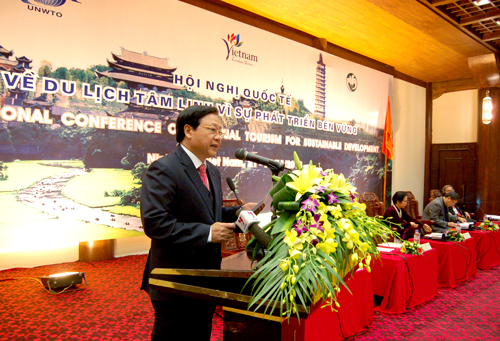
point(203, 174)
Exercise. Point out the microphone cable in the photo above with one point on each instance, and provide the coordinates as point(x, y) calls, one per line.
point(412, 287)
point(485, 252)
point(467, 264)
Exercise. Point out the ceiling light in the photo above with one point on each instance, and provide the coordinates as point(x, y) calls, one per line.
point(481, 2)
point(487, 108)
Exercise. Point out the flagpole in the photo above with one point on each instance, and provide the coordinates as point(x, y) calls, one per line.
point(385, 180)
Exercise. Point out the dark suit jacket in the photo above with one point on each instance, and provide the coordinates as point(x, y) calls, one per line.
point(177, 211)
point(437, 211)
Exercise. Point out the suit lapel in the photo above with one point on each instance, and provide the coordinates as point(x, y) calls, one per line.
point(195, 178)
point(215, 186)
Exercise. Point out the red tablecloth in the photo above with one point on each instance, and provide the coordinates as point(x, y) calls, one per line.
point(487, 248)
point(404, 280)
point(355, 314)
point(456, 261)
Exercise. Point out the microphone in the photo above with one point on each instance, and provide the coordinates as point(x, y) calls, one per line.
point(232, 187)
point(242, 154)
point(247, 220)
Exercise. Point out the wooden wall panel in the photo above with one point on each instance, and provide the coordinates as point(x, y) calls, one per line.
point(488, 149)
point(455, 164)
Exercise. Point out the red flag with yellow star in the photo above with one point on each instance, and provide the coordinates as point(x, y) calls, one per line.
point(387, 142)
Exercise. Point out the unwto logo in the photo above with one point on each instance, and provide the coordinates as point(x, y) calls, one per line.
point(53, 3)
point(232, 44)
point(32, 6)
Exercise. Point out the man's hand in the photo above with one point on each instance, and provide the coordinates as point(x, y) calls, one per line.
point(467, 215)
point(451, 224)
point(413, 224)
point(427, 228)
point(222, 232)
point(462, 220)
point(250, 205)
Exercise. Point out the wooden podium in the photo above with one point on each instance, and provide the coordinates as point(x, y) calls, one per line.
point(224, 287)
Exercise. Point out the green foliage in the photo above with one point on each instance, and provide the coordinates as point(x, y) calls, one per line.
point(139, 170)
point(61, 73)
point(45, 69)
point(3, 171)
point(136, 153)
point(131, 197)
point(127, 197)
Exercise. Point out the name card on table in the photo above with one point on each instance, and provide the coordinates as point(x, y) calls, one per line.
point(467, 235)
point(426, 246)
point(384, 249)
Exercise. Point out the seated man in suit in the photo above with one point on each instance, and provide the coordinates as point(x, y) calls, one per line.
point(463, 216)
point(437, 211)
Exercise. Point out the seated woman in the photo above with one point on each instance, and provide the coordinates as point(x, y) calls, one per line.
point(397, 215)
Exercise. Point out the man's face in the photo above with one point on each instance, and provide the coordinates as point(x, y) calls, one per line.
point(449, 202)
point(448, 189)
point(205, 140)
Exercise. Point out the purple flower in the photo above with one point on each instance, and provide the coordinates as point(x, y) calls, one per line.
point(310, 205)
point(320, 189)
point(318, 224)
point(323, 173)
point(314, 241)
point(353, 198)
point(300, 230)
point(332, 198)
point(297, 224)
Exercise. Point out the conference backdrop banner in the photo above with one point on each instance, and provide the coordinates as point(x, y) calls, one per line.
point(90, 91)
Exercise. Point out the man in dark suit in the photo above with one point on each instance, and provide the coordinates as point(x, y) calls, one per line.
point(463, 216)
point(437, 211)
point(182, 213)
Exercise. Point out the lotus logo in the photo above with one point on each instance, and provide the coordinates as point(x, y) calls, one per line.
point(53, 3)
point(232, 42)
point(352, 82)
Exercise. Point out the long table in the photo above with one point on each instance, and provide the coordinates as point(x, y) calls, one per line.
point(487, 248)
point(456, 261)
point(354, 315)
point(404, 280)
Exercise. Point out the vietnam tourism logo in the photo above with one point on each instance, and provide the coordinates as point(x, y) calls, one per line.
point(53, 3)
point(351, 82)
point(232, 44)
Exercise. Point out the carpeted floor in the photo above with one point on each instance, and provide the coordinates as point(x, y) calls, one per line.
point(113, 308)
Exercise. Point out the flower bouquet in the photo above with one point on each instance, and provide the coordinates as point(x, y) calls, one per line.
point(454, 236)
point(488, 225)
point(412, 248)
point(321, 234)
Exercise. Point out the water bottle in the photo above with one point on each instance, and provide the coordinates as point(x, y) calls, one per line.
point(416, 237)
point(458, 228)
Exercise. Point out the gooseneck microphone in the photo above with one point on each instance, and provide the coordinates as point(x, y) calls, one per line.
point(242, 154)
point(247, 220)
point(232, 187)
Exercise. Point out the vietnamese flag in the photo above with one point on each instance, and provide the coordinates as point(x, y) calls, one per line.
point(387, 142)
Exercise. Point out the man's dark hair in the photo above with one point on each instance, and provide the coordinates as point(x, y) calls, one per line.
point(399, 196)
point(453, 195)
point(445, 187)
point(191, 116)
